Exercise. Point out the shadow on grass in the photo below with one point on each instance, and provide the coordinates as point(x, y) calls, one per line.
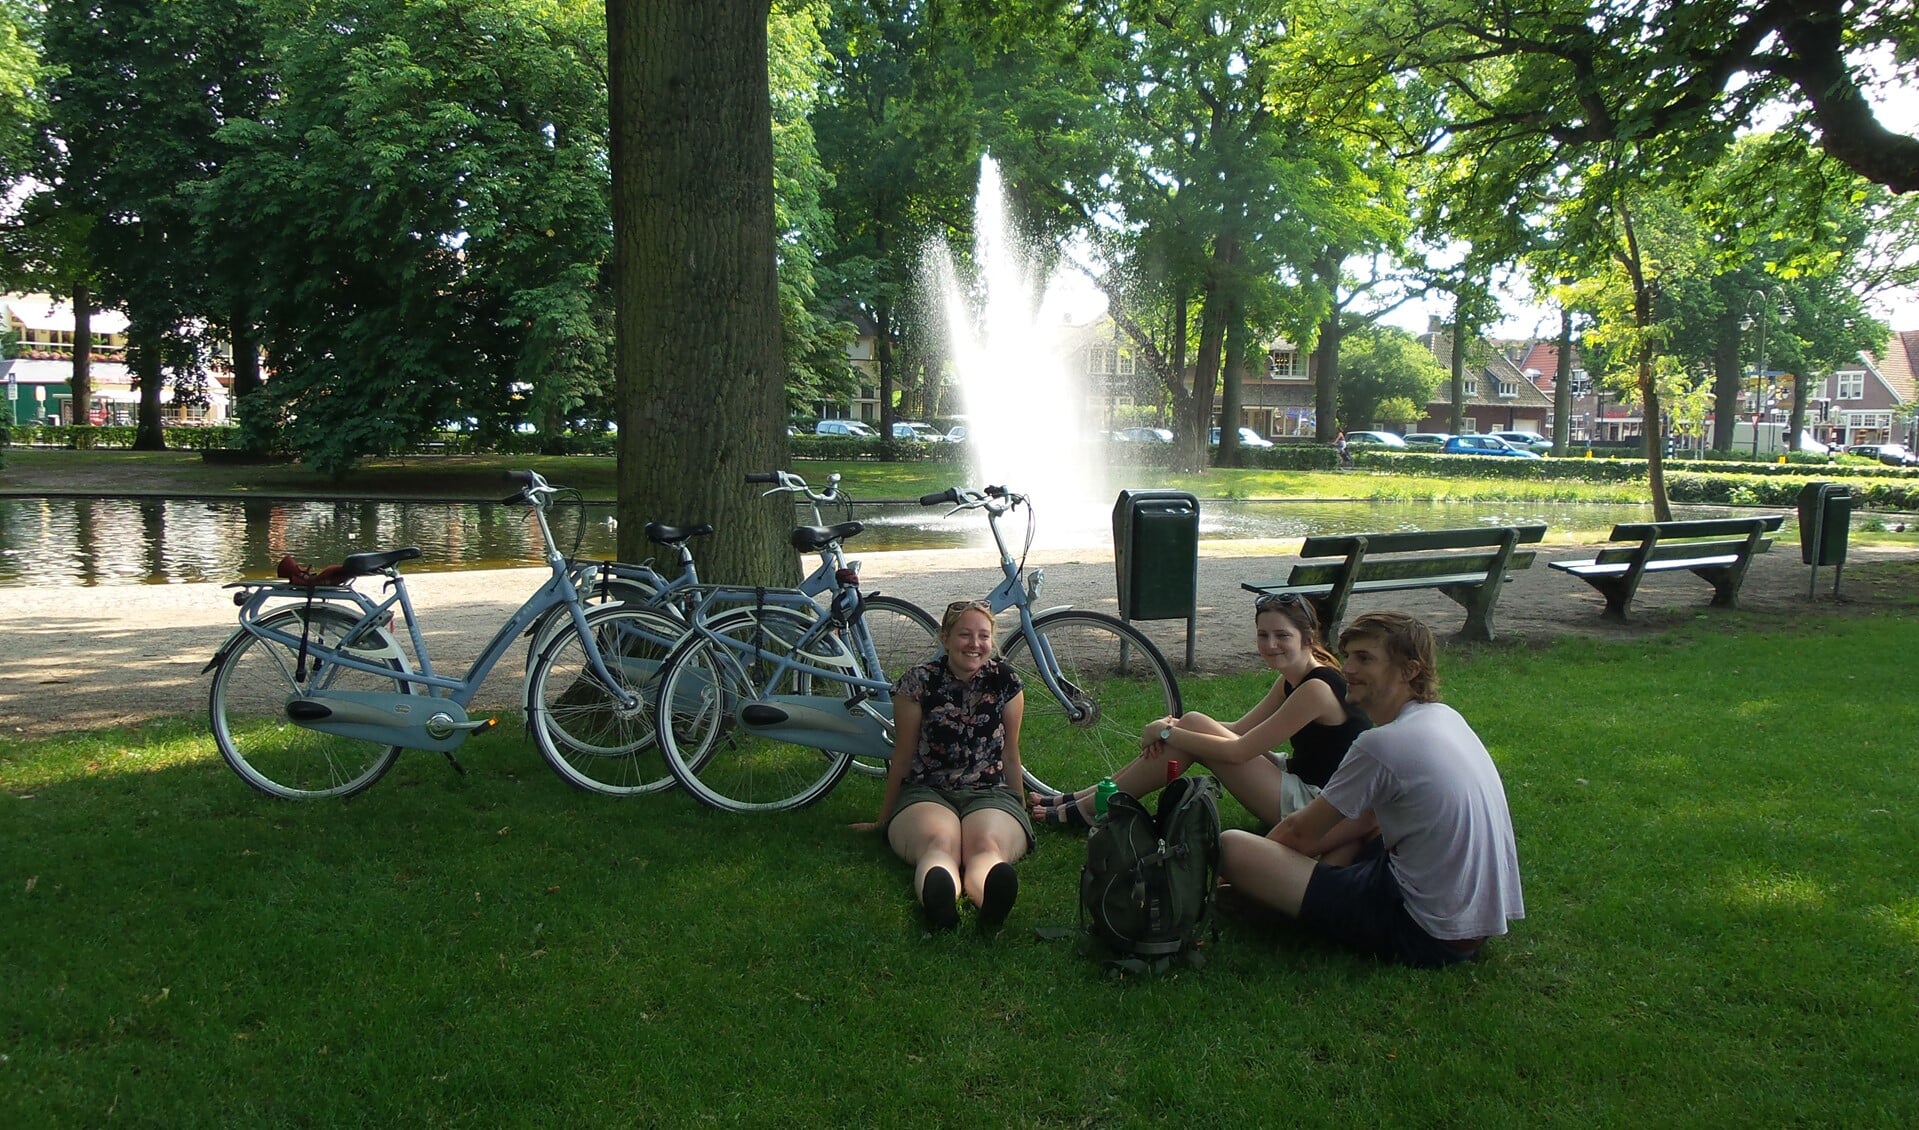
point(1712, 830)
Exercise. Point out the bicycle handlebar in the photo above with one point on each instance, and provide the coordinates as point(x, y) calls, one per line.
point(966, 498)
point(792, 484)
point(532, 486)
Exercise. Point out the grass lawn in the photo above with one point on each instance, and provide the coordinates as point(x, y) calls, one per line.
point(1715, 828)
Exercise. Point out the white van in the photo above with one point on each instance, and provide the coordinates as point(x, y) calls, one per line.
point(844, 428)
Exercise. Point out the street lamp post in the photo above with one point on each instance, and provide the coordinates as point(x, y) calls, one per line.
point(1759, 375)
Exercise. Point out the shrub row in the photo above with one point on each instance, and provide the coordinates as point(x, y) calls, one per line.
point(1609, 470)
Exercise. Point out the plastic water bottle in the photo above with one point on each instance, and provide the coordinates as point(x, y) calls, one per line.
point(1101, 796)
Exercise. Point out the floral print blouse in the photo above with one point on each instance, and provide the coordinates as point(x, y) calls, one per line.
point(962, 734)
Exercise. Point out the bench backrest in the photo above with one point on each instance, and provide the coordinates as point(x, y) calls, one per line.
point(1419, 541)
point(1678, 541)
point(1404, 568)
point(1702, 528)
point(1679, 550)
point(1414, 554)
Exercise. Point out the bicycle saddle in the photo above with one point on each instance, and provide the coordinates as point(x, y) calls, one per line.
point(806, 539)
point(361, 564)
point(661, 534)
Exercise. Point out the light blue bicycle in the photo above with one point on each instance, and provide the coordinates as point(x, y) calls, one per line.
point(314, 696)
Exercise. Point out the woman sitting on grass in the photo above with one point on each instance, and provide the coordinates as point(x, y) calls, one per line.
point(1306, 706)
point(954, 807)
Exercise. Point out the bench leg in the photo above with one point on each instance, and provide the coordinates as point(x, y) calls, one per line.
point(1618, 596)
point(1725, 582)
point(1478, 601)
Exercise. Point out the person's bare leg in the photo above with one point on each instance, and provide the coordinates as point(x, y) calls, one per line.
point(926, 835)
point(1263, 871)
point(987, 836)
point(990, 840)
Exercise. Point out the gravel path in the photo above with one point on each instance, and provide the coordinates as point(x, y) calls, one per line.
point(86, 658)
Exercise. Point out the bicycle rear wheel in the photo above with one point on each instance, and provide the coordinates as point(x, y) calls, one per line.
point(584, 733)
point(247, 708)
point(1115, 681)
point(706, 683)
point(903, 634)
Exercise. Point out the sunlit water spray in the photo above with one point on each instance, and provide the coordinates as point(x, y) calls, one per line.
point(1031, 420)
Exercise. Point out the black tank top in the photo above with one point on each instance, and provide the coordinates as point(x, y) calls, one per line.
point(1318, 748)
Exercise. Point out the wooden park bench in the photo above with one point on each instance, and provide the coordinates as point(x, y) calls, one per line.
point(1469, 565)
point(1718, 549)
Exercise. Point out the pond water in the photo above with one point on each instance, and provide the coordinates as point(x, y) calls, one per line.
point(99, 541)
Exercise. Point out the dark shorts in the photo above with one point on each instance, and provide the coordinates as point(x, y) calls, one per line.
point(961, 802)
point(1360, 905)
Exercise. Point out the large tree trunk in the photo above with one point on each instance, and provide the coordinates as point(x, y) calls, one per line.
point(1212, 346)
point(1326, 379)
point(700, 380)
point(1326, 352)
point(889, 371)
point(1231, 386)
point(82, 382)
point(143, 356)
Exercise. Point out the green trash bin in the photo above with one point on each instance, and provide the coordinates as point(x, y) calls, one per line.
point(1156, 557)
point(1825, 520)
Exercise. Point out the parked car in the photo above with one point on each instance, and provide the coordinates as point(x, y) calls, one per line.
point(844, 428)
point(1526, 441)
point(916, 431)
point(1143, 435)
point(1891, 454)
point(1374, 439)
point(1427, 441)
point(956, 434)
point(1483, 445)
point(1247, 438)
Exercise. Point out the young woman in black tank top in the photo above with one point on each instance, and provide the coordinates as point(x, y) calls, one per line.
point(1307, 706)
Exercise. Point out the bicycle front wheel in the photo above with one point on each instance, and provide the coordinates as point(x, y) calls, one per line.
point(258, 677)
point(1113, 681)
point(592, 740)
point(903, 634)
point(703, 687)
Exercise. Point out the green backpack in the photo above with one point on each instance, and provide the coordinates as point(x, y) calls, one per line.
point(1146, 891)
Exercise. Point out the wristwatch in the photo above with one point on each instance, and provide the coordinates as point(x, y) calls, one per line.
point(1166, 733)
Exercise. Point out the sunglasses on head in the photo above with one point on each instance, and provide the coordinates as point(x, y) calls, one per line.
point(985, 606)
point(1276, 600)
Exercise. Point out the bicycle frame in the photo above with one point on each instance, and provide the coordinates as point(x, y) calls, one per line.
point(858, 722)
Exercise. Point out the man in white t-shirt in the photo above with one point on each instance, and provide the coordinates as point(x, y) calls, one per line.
point(1442, 874)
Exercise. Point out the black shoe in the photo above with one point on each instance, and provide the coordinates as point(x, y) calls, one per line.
point(936, 899)
point(1002, 890)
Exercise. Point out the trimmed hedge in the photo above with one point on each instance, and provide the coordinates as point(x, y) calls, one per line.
point(1688, 481)
point(862, 448)
point(1598, 470)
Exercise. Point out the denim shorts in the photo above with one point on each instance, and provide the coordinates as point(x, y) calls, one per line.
point(1361, 906)
point(960, 802)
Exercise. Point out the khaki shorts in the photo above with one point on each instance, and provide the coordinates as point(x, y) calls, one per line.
point(1294, 793)
point(962, 802)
